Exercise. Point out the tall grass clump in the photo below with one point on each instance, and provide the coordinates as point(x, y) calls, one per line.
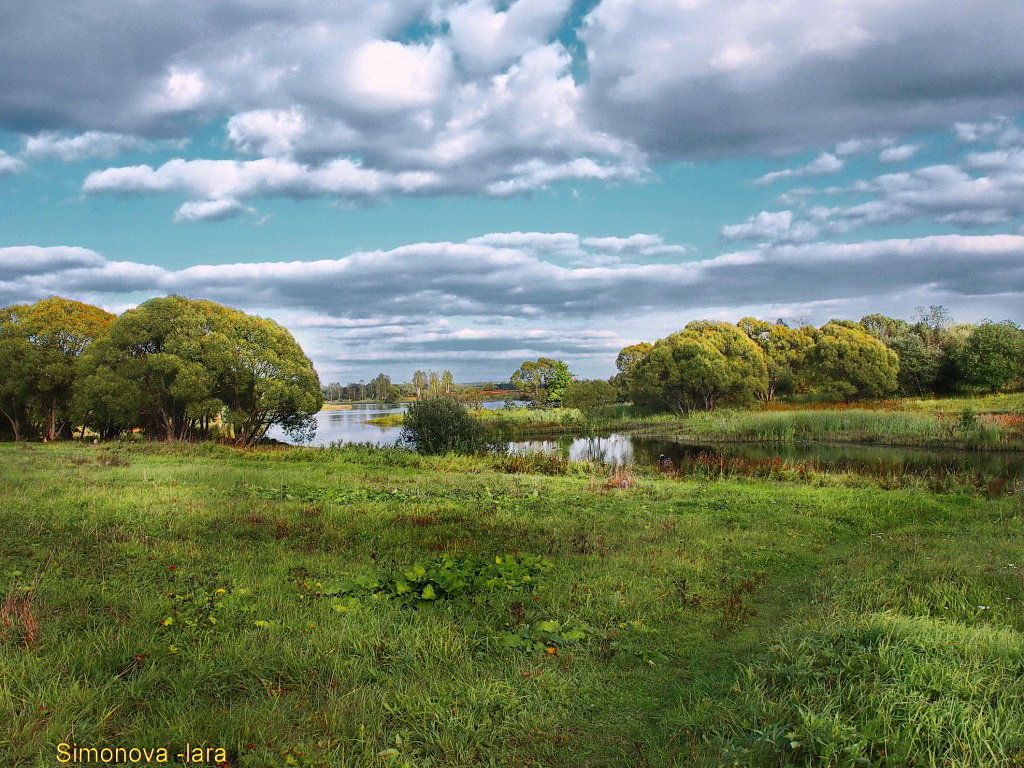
point(879, 690)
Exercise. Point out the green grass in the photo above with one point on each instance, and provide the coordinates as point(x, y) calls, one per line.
point(848, 425)
point(692, 623)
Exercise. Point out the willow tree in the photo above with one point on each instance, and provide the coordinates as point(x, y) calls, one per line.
point(177, 365)
point(851, 364)
point(39, 347)
point(268, 380)
point(700, 368)
point(785, 353)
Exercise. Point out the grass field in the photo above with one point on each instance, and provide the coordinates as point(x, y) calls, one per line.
point(375, 608)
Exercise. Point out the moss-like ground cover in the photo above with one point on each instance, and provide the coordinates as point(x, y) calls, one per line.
point(375, 608)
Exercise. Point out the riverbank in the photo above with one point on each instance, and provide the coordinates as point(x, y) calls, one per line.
point(990, 423)
point(358, 607)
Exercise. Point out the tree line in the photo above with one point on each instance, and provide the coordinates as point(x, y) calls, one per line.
point(172, 368)
point(708, 364)
point(382, 389)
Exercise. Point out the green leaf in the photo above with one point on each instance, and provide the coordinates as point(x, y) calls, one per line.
point(428, 592)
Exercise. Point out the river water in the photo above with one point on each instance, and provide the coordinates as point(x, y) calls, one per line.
point(348, 426)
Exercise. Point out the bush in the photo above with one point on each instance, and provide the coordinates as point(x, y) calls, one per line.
point(437, 425)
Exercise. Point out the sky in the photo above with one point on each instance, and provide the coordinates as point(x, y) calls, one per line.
point(465, 185)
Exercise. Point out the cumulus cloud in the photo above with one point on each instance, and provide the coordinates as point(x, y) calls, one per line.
point(711, 79)
point(501, 98)
point(822, 165)
point(209, 210)
point(898, 154)
point(776, 227)
point(10, 164)
point(57, 146)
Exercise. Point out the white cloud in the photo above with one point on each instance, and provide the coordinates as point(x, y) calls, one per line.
point(10, 164)
point(209, 210)
point(775, 227)
point(72, 148)
point(824, 164)
point(898, 154)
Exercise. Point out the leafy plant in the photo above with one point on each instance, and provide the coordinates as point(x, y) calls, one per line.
point(448, 578)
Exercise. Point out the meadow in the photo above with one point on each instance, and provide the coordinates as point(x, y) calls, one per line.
point(360, 607)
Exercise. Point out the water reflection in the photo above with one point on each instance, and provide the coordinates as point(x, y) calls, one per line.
point(348, 426)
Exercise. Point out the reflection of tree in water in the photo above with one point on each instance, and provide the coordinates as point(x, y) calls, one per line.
point(621, 449)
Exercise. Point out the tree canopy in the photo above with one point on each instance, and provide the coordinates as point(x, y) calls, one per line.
point(176, 365)
point(701, 367)
point(39, 347)
point(991, 357)
point(542, 381)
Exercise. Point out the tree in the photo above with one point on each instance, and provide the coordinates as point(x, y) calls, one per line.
point(543, 381)
point(174, 365)
point(785, 353)
point(589, 397)
point(626, 362)
point(419, 381)
point(266, 380)
point(920, 365)
point(991, 357)
point(447, 382)
point(701, 367)
point(850, 363)
point(885, 329)
point(434, 383)
point(42, 343)
point(437, 425)
point(380, 387)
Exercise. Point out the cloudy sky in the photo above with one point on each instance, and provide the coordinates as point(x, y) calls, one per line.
point(467, 184)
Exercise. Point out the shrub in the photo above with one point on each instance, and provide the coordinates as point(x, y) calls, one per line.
point(437, 425)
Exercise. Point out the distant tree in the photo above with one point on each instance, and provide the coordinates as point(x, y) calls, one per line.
point(434, 383)
point(39, 348)
point(437, 425)
point(589, 396)
point(850, 363)
point(447, 382)
point(785, 353)
point(419, 381)
point(380, 387)
point(701, 367)
point(932, 322)
point(991, 357)
point(394, 394)
point(885, 329)
point(542, 381)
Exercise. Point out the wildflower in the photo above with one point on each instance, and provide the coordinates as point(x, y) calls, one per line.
point(221, 591)
point(552, 650)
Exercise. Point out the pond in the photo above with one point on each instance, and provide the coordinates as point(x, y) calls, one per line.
point(348, 426)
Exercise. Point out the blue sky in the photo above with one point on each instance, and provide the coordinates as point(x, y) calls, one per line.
point(447, 184)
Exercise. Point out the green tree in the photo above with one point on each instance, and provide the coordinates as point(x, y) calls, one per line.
point(542, 381)
point(177, 364)
point(625, 363)
point(265, 379)
point(785, 353)
point(380, 387)
point(590, 397)
point(701, 367)
point(849, 363)
point(419, 381)
point(437, 425)
point(991, 357)
point(42, 343)
point(447, 382)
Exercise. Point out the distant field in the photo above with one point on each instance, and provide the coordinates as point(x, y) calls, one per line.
point(356, 607)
